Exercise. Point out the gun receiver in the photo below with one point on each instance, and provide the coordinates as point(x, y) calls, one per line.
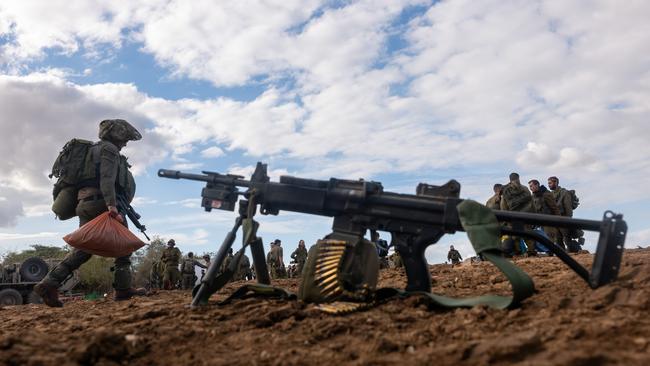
point(127, 210)
point(414, 221)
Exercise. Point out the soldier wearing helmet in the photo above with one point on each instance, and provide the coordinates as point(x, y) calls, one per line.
point(96, 196)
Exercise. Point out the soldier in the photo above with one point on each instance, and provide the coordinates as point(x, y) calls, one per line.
point(517, 197)
point(187, 269)
point(206, 259)
point(565, 204)
point(227, 260)
point(156, 274)
point(275, 260)
point(544, 203)
point(494, 202)
point(171, 257)
point(454, 256)
point(300, 256)
point(96, 196)
point(244, 269)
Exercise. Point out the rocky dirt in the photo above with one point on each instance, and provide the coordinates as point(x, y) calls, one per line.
point(565, 323)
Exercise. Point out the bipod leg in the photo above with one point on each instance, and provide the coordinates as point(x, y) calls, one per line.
point(553, 248)
point(259, 261)
point(203, 291)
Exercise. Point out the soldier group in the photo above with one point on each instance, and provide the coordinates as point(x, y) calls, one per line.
point(536, 198)
point(275, 261)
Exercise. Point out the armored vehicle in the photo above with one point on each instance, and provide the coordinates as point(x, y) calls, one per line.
point(17, 281)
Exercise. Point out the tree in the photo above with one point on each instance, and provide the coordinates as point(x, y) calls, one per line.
point(143, 260)
point(37, 250)
point(96, 274)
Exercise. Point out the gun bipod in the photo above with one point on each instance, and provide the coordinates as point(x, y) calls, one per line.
point(609, 251)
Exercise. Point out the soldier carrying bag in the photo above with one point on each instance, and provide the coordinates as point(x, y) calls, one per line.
point(72, 166)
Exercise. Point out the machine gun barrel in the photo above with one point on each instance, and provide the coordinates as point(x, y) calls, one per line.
point(208, 177)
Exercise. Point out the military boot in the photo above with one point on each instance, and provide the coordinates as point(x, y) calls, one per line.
point(121, 295)
point(49, 293)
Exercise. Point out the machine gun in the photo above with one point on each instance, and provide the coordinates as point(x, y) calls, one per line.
point(414, 221)
point(126, 210)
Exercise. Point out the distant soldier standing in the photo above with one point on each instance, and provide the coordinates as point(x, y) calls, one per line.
point(171, 257)
point(187, 269)
point(454, 256)
point(494, 202)
point(111, 176)
point(226, 261)
point(300, 257)
point(565, 204)
point(544, 203)
point(275, 260)
point(517, 197)
point(156, 274)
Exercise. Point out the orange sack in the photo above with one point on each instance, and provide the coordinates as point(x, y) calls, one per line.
point(104, 236)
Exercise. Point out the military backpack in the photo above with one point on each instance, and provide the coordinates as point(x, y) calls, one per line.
point(516, 196)
point(72, 166)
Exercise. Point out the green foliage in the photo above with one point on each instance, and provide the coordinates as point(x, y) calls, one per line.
point(96, 275)
point(37, 250)
point(144, 258)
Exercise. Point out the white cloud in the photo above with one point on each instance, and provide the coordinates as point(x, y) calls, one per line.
point(212, 152)
point(47, 111)
point(16, 236)
point(546, 88)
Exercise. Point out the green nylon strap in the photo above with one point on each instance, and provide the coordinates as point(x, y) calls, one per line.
point(483, 231)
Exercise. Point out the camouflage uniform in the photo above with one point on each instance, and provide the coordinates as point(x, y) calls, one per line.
point(94, 197)
point(171, 257)
point(454, 256)
point(156, 275)
point(517, 197)
point(274, 259)
point(494, 202)
point(300, 257)
point(244, 269)
point(226, 261)
point(544, 203)
point(187, 270)
point(564, 203)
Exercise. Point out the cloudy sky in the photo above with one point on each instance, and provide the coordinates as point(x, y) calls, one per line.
point(396, 91)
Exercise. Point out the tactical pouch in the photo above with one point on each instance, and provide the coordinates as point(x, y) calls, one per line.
point(339, 270)
point(65, 202)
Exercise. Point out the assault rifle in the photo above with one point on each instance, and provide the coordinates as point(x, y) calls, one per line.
point(414, 221)
point(126, 210)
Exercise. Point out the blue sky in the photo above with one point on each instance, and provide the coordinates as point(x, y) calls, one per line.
point(401, 92)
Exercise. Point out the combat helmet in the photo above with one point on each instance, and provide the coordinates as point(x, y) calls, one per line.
point(118, 130)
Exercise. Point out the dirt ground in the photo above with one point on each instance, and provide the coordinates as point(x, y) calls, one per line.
point(565, 323)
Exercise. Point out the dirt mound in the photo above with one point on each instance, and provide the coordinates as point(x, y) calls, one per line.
point(565, 323)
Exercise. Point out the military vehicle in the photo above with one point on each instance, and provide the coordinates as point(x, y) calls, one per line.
point(17, 281)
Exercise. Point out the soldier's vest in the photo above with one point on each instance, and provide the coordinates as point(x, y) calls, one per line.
point(77, 166)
